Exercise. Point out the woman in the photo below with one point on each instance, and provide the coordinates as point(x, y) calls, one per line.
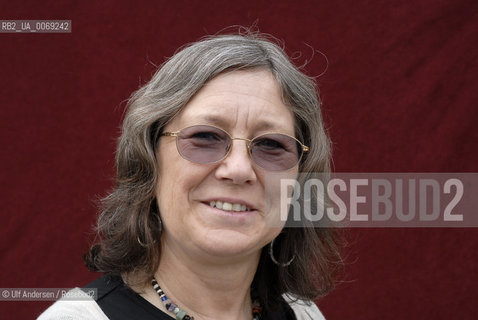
point(184, 234)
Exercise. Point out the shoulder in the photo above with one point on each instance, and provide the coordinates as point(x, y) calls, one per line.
point(78, 306)
point(304, 309)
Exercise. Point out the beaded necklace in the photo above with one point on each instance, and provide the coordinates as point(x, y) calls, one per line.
point(182, 315)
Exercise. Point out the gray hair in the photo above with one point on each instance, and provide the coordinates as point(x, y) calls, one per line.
point(129, 226)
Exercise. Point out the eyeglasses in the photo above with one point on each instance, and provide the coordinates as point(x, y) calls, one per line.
point(206, 144)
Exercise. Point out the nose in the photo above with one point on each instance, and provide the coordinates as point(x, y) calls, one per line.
point(237, 167)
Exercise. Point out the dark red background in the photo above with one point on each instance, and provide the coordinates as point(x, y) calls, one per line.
point(399, 95)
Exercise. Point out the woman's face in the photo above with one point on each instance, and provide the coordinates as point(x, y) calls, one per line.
point(245, 104)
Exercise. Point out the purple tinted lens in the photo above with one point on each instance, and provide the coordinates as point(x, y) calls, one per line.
point(203, 144)
point(275, 151)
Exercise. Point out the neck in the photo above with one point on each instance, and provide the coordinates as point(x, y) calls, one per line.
point(205, 289)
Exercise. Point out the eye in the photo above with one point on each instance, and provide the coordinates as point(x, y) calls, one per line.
point(267, 144)
point(206, 136)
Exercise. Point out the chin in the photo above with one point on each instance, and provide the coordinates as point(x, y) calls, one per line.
point(229, 243)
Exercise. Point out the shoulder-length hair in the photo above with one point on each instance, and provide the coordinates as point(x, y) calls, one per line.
point(129, 226)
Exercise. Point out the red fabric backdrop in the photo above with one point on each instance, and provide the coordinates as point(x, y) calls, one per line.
point(399, 95)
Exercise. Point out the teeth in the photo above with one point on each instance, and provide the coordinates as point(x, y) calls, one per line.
point(227, 206)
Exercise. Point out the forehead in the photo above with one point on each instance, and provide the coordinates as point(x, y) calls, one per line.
point(245, 99)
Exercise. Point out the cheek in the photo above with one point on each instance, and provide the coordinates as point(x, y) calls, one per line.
point(175, 184)
point(279, 197)
point(167, 193)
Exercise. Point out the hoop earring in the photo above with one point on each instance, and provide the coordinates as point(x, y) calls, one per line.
point(140, 242)
point(271, 254)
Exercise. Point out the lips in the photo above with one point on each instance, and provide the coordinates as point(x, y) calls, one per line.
point(228, 206)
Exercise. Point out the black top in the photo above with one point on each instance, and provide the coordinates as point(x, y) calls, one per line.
point(119, 302)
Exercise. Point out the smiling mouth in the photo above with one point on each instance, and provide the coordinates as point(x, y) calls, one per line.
point(228, 206)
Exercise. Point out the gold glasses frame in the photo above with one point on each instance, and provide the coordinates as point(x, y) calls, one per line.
point(304, 148)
